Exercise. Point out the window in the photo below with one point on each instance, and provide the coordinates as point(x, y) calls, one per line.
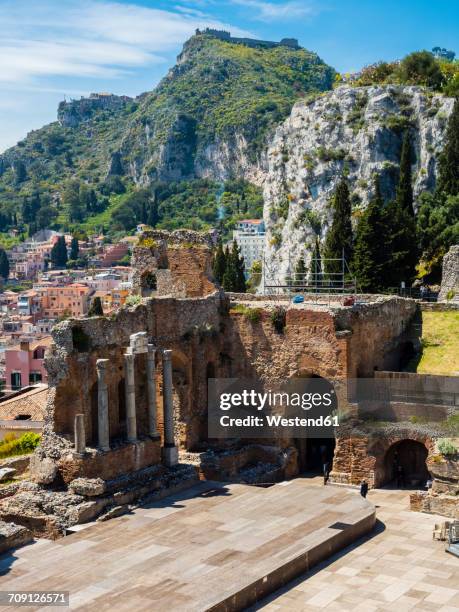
point(35, 377)
point(39, 353)
point(16, 381)
point(23, 417)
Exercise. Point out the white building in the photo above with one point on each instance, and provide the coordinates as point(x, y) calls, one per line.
point(250, 237)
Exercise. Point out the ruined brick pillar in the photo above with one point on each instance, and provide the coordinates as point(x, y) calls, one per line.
point(170, 451)
point(102, 405)
point(131, 420)
point(151, 381)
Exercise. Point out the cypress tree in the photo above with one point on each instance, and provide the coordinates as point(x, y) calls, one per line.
point(404, 188)
point(59, 253)
point(229, 280)
point(238, 262)
point(370, 252)
point(96, 310)
point(4, 264)
point(219, 264)
point(339, 237)
point(316, 265)
point(300, 274)
point(74, 248)
point(448, 171)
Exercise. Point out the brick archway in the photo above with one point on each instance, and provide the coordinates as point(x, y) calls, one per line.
point(402, 462)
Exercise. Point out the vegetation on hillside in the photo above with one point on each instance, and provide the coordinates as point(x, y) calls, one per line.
point(64, 177)
point(438, 70)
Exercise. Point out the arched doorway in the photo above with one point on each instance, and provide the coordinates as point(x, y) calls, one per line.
point(405, 464)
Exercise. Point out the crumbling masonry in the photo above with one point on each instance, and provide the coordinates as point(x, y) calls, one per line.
point(127, 409)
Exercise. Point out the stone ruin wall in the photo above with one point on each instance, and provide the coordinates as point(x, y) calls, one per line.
point(181, 262)
point(450, 275)
point(178, 325)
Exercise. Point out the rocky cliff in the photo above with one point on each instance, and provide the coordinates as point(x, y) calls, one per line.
point(351, 131)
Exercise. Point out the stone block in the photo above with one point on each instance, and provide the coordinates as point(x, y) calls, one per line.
point(6, 473)
point(12, 536)
point(89, 487)
point(43, 470)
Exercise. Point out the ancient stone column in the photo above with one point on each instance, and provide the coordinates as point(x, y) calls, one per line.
point(102, 405)
point(151, 380)
point(80, 435)
point(170, 451)
point(131, 420)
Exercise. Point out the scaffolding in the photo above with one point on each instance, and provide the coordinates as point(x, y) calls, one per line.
point(318, 281)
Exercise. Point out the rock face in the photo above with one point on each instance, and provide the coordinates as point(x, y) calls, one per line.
point(352, 131)
point(450, 275)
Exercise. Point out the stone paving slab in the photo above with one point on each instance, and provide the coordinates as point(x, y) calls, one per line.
point(397, 567)
point(214, 546)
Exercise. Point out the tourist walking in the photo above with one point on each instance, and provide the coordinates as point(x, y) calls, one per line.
point(363, 488)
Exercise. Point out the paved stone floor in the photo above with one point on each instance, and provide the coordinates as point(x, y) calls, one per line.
point(191, 550)
point(398, 568)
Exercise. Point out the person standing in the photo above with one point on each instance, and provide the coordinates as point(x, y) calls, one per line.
point(363, 488)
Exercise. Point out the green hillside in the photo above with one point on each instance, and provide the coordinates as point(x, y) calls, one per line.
point(88, 165)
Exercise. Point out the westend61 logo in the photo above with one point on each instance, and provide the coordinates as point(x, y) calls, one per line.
point(303, 407)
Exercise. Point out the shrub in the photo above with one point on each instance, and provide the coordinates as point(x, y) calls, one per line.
point(252, 314)
point(446, 447)
point(450, 294)
point(25, 444)
point(133, 300)
point(278, 319)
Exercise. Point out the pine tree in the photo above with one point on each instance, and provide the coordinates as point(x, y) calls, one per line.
point(59, 253)
point(74, 248)
point(300, 274)
point(96, 310)
point(219, 264)
point(338, 242)
point(404, 188)
point(448, 171)
point(370, 249)
point(4, 264)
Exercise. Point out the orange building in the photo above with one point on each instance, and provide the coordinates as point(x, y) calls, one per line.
point(57, 301)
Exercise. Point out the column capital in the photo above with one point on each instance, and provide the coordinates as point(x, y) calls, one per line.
point(167, 354)
point(151, 348)
point(129, 357)
point(101, 364)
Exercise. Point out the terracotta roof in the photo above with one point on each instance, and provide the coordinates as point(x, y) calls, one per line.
point(31, 403)
point(46, 341)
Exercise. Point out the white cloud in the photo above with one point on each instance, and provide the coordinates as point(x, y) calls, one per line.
point(268, 11)
point(88, 38)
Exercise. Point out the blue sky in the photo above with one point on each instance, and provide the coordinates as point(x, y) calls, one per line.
point(52, 48)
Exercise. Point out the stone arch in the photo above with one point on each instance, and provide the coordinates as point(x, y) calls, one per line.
point(314, 453)
point(148, 283)
point(410, 453)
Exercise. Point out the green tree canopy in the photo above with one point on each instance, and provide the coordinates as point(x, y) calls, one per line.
point(59, 253)
point(95, 309)
point(338, 242)
point(4, 264)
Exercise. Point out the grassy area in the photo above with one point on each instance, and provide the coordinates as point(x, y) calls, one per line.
point(440, 340)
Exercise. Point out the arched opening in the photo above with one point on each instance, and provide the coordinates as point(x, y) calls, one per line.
point(405, 464)
point(148, 283)
point(315, 455)
point(93, 438)
point(407, 354)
